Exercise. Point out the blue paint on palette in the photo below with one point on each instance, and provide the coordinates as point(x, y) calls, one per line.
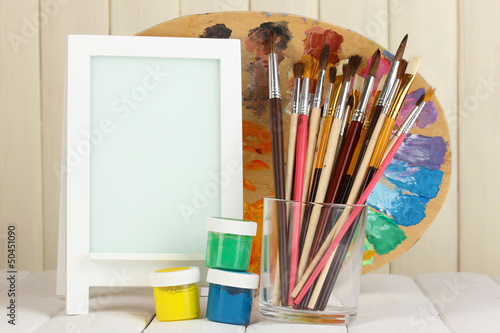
point(405, 209)
point(419, 181)
point(388, 55)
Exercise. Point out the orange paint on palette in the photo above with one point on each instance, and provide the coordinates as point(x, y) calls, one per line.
point(368, 254)
point(256, 139)
point(256, 165)
point(317, 37)
point(253, 212)
point(248, 185)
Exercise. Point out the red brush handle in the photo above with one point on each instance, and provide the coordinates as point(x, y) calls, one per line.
point(300, 162)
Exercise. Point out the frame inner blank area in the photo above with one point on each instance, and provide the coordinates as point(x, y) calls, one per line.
point(155, 161)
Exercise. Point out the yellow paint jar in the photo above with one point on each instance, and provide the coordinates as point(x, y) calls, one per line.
point(176, 293)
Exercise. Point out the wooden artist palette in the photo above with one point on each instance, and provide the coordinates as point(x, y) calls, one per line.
point(414, 186)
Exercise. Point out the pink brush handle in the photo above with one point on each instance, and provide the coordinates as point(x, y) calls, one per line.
point(300, 163)
point(350, 219)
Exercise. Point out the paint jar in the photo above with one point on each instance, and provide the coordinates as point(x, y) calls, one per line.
point(333, 297)
point(176, 293)
point(229, 243)
point(230, 296)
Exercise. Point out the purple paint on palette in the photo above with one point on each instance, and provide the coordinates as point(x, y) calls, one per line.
point(423, 151)
point(427, 116)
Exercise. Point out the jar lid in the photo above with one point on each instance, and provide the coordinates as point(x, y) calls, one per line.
point(233, 279)
point(174, 276)
point(231, 226)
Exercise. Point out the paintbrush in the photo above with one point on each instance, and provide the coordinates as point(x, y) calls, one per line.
point(329, 246)
point(310, 223)
point(314, 119)
point(329, 108)
point(323, 140)
point(300, 155)
point(290, 162)
point(385, 134)
point(354, 61)
point(298, 68)
point(383, 100)
point(323, 133)
point(276, 123)
point(345, 158)
point(411, 118)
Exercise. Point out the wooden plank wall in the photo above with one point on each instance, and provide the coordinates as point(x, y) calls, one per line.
point(458, 40)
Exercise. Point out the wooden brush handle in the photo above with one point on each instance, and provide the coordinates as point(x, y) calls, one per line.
point(383, 140)
point(316, 153)
point(290, 156)
point(390, 145)
point(320, 282)
point(329, 160)
point(314, 119)
point(334, 189)
point(321, 193)
point(276, 129)
point(363, 167)
point(322, 250)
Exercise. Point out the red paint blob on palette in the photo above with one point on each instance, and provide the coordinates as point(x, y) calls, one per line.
point(317, 37)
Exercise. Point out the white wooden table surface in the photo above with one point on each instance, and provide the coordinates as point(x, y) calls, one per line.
point(448, 302)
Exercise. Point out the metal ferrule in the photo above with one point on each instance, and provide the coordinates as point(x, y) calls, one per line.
point(319, 90)
point(274, 83)
point(344, 95)
point(400, 97)
point(327, 100)
point(343, 127)
point(304, 97)
point(359, 113)
point(296, 96)
point(384, 98)
point(411, 119)
point(394, 89)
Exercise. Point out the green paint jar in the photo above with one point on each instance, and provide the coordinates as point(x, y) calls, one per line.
point(229, 243)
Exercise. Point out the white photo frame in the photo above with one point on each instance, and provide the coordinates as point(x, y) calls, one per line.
point(137, 154)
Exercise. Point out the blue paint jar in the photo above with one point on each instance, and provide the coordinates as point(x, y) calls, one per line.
point(230, 296)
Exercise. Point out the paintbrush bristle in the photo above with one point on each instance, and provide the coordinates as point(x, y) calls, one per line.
point(354, 62)
point(332, 74)
point(358, 83)
point(307, 68)
point(401, 49)
point(347, 72)
point(323, 61)
point(374, 63)
point(429, 94)
point(271, 42)
point(401, 69)
point(298, 68)
point(381, 83)
point(412, 66)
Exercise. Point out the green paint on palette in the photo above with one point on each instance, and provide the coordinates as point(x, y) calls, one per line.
point(383, 233)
